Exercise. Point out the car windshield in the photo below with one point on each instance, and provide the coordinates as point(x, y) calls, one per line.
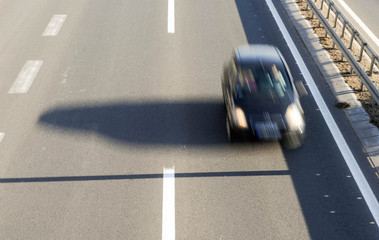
point(263, 82)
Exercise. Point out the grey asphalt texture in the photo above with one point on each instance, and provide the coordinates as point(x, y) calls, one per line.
point(118, 99)
point(367, 11)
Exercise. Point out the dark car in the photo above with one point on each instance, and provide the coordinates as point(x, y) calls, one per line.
point(260, 97)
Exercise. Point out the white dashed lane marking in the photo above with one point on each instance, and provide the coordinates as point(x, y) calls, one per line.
point(54, 25)
point(26, 76)
point(168, 204)
point(1, 136)
point(171, 16)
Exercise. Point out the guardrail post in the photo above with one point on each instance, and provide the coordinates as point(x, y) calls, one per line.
point(335, 20)
point(362, 85)
point(330, 7)
point(372, 65)
point(362, 49)
point(343, 29)
point(322, 4)
point(352, 38)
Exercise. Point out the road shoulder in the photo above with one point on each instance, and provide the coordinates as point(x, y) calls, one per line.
point(356, 114)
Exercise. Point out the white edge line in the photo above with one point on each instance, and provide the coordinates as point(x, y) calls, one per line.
point(168, 204)
point(171, 16)
point(1, 136)
point(360, 22)
point(342, 145)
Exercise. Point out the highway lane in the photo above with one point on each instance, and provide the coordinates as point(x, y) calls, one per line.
point(119, 97)
point(363, 15)
point(366, 11)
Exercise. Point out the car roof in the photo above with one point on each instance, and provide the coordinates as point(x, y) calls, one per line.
point(257, 53)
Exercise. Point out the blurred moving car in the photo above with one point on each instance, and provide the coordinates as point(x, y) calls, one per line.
point(260, 97)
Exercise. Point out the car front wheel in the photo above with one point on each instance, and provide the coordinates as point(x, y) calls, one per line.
point(232, 136)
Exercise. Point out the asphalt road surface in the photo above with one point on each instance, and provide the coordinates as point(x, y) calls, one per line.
point(113, 127)
point(364, 17)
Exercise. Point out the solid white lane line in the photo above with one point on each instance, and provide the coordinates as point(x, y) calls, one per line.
point(168, 204)
point(1, 136)
point(171, 16)
point(54, 25)
point(360, 22)
point(25, 78)
point(333, 127)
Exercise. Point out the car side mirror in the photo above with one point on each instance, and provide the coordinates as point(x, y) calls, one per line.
point(301, 89)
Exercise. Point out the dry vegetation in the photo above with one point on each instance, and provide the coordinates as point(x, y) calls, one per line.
point(345, 70)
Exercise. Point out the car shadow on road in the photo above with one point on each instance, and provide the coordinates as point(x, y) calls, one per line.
point(202, 123)
point(165, 122)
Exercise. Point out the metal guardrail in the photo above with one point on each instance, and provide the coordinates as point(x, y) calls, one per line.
point(346, 25)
